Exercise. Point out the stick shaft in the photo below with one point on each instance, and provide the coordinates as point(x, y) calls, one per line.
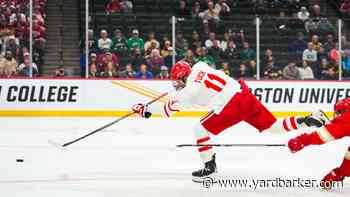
point(112, 123)
point(231, 145)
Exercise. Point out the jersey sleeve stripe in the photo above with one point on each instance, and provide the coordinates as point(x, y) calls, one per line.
point(166, 111)
point(171, 109)
point(293, 123)
point(285, 126)
point(204, 148)
point(324, 134)
point(200, 141)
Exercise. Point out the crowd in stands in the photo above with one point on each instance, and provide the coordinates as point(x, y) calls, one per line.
point(14, 37)
point(115, 54)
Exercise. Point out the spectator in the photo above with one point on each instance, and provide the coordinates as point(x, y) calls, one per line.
point(225, 67)
point(345, 42)
point(243, 72)
point(211, 15)
point(328, 45)
point(128, 72)
point(148, 53)
point(26, 69)
point(155, 62)
point(305, 71)
point(8, 65)
point(325, 27)
point(311, 25)
point(346, 63)
point(181, 44)
point(113, 6)
point(189, 57)
point(299, 45)
point(210, 42)
point(143, 73)
point(60, 72)
point(109, 70)
point(195, 12)
point(137, 59)
point(332, 73)
point(222, 7)
point(316, 10)
point(92, 43)
point(231, 53)
point(303, 14)
point(327, 71)
point(12, 43)
point(321, 54)
point(272, 71)
point(93, 72)
point(182, 10)
point(247, 53)
point(316, 43)
point(282, 24)
point(167, 53)
point(196, 41)
point(252, 68)
point(104, 42)
point(201, 55)
point(334, 54)
point(106, 54)
point(224, 43)
point(119, 43)
point(135, 41)
point(164, 73)
point(290, 71)
point(309, 54)
point(345, 8)
point(215, 51)
point(126, 6)
point(94, 67)
point(38, 15)
point(151, 39)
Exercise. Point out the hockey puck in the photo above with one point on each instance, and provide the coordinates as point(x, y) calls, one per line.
point(19, 160)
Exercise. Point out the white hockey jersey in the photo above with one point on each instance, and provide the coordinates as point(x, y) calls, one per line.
point(205, 87)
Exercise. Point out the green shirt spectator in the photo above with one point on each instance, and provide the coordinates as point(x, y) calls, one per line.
point(135, 41)
point(119, 45)
point(203, 56)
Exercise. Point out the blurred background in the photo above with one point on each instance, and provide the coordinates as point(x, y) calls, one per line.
point(250, 39)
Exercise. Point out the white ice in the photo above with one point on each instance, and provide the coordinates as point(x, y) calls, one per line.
point(138, 158)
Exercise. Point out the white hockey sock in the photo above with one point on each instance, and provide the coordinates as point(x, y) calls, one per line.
point(285, 125)
point(202, 136)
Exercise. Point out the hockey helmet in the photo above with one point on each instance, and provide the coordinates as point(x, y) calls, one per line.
point(180, 70)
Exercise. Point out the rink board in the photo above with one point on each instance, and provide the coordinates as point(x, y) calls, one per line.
point(77, 97)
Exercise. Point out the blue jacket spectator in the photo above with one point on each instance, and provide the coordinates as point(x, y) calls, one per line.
point(144, 73)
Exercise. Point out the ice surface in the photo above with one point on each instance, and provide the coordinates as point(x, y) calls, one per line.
point(138, 157)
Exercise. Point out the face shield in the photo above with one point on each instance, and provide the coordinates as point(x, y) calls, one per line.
point(178, 84)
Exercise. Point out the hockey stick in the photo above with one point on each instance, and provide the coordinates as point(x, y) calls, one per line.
point(231, 145)
point(110, 124)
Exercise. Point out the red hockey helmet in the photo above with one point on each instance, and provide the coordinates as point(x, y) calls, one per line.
point(180, 70)
point(342, 106)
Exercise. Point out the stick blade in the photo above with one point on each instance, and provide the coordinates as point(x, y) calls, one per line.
point(55, 144)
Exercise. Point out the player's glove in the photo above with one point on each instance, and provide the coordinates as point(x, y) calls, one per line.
point(298, 143)
point(141, 109)
point(316, 119)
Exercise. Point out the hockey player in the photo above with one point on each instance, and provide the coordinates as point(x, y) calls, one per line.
point(337, 128)
point(230, 102)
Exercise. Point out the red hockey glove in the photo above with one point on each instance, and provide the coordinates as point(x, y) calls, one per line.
point(298, 143)
point(141, 109)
